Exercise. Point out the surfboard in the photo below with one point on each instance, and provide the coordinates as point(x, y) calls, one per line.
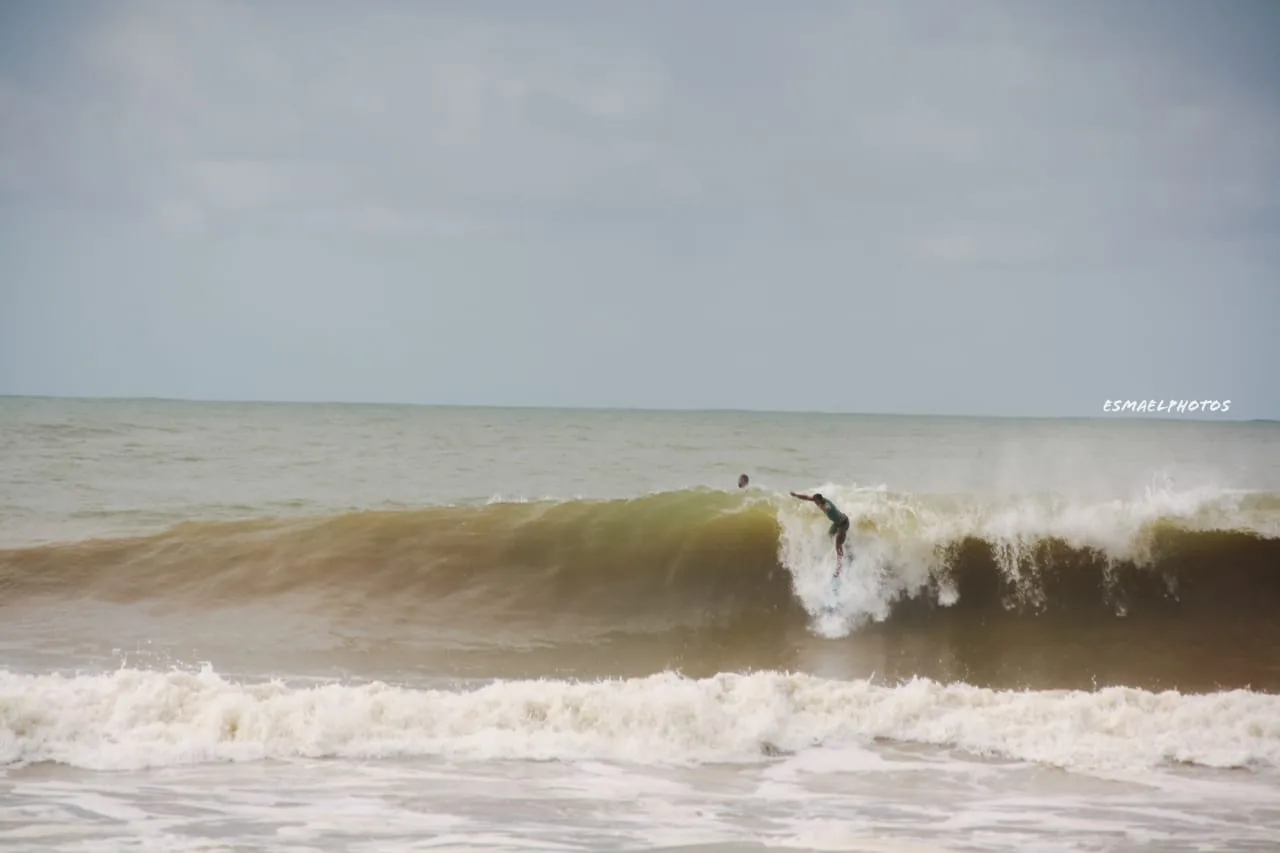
point(833, 602)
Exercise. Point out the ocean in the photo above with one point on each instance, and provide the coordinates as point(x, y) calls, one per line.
point(294, 627)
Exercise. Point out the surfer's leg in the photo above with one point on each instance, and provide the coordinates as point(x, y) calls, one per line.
point(841, 532)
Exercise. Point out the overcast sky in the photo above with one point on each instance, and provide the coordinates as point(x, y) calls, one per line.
point(1019, 208)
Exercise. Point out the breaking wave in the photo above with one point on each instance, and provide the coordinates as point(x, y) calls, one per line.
point(131, 719)
point(691, 556)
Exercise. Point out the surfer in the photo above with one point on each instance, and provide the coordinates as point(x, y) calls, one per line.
point(743, 481)
point(839, 524)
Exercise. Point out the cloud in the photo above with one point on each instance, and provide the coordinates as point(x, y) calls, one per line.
point(992, 134)
point(248, 110)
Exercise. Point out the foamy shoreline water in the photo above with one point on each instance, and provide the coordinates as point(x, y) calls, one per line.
point(889, 798)
point(193, 761)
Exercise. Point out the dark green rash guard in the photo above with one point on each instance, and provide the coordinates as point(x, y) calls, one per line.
point(837, 517)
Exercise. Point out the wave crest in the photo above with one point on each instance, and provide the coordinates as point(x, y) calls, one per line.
point(698, 556)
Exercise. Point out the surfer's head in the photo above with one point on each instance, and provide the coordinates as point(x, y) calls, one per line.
point(819, 499)
point(742, 481)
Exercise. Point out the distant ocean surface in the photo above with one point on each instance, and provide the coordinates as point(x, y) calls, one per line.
point(331, 627)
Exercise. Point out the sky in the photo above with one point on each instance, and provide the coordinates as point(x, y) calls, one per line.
point(1017, 208)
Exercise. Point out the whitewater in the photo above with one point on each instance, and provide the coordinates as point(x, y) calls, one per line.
point(271, 627)
point(133, 719)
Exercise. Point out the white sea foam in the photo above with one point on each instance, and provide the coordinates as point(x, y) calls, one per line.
point(896, 543)
point(135, 718)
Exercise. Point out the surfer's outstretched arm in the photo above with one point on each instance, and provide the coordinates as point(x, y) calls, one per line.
point(802, 497)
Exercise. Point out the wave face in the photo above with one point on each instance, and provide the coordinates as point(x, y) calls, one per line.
point(131, 719)
point(702, 556)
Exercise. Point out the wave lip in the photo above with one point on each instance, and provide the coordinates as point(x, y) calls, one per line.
point(132, 719)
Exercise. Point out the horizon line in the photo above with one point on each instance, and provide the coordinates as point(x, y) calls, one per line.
point(1134, 416)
